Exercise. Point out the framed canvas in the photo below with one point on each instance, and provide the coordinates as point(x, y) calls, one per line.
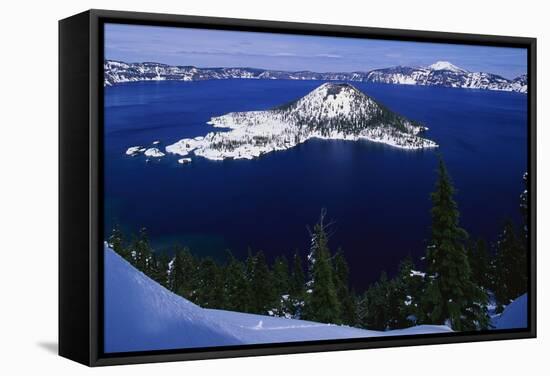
point(236, 187)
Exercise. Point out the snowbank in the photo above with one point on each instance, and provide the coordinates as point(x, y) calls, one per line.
point(142, 315)
point(514, 315)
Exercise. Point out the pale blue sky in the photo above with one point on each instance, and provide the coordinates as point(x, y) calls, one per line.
point(217, 48)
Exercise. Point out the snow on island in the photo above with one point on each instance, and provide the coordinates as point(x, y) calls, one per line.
point(135, 150)
point(331, 111)
point(154, 152)
point(142, 315)
point(148, 152)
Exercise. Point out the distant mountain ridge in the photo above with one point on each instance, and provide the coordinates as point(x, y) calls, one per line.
point(447, 75)
point(441, 73)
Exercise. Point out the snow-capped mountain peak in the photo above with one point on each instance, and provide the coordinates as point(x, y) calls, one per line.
point(445, 65)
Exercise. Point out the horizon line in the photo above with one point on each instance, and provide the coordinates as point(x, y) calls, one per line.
point(305, 70)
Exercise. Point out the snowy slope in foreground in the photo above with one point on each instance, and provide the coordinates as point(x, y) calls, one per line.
point(514, 315)
point(142, 315)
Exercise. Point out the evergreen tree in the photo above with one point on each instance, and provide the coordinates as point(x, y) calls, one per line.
point(392, 303)
point(116, 242)
point(410, 283)
point(524, 208)
point(345, 296)
point(479, 259)
point(318, 237)
point(375, 305)
point(281, 282)
point(159, 268)
point(263, 296)
point(297, 289)
point(451, 296)
point(249, 266)
point(321, 303)
point(362, 310)
point(510, 266)
point(183, 276)
point(280, 275)
point(140, 252)
point(237, 286)
point(210, 291)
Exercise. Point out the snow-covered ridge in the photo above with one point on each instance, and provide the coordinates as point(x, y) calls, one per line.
point(441, 73)
point(447, 75)
point(331, 111)
point(515, 315)
point(142, 315)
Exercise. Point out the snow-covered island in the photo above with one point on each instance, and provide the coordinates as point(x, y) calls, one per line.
point(336, 111)
point(154, 152)
point(148, 152)
point(135, 150)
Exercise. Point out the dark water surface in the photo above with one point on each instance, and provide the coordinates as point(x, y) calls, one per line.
point(377, 196)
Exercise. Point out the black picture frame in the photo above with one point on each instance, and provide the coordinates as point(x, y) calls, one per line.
point(80, 185)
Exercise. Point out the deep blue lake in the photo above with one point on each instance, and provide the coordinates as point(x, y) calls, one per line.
point(377, 196)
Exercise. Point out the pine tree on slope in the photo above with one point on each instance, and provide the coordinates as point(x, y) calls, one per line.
point(140, 252)
point(410, 284)
point(524, 208)
point(451, 297)
point(263, 296)
point(237, 286)
point(346, 298)
point(374, 306)
point(183, 274)
point(297, 289)
point(479, 259)
point(116, 242)
point(210, 291)
point(510, 266)
point(321, 302)
point(158, 268)
point(281, 281)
